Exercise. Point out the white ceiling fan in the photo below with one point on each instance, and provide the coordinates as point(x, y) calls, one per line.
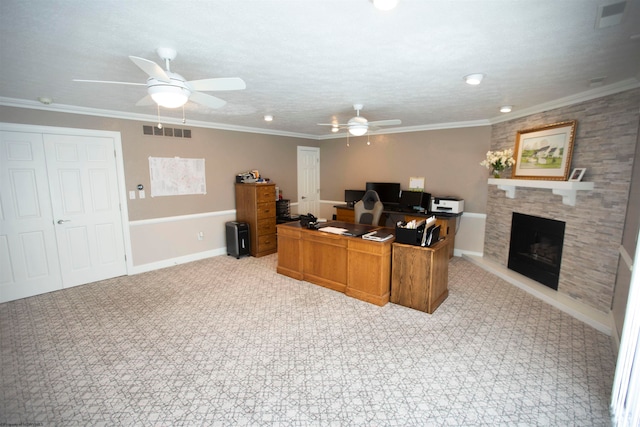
point(171, 90)
point(358, 125)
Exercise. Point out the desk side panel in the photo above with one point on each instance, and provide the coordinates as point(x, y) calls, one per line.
point(410, 276)
point(439, 276)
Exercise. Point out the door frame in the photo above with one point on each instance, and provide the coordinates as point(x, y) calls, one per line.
point(298, 176)
point(119, 162)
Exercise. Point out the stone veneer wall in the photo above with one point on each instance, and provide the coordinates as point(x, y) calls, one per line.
point(605, 142)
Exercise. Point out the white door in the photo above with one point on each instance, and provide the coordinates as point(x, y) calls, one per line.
point(28, 251)
point(86, 208)
point(309, 180)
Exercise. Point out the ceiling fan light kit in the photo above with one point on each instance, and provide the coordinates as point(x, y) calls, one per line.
point(169, 96)
point(171, 90)
point(358, 125)
point(385, 4)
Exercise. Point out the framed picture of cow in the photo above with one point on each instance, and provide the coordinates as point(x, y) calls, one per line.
point(545, 152)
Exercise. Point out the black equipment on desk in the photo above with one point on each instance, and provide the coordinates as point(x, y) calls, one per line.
point(353, 196)
point(388, 192)
point(409, 199)
point(308, 221)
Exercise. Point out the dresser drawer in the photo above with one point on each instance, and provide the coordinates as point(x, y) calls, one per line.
point(266, 210)
point(266, 226)
point(266, 194)
point(267, 242)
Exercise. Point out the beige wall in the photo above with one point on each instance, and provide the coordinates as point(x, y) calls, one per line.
point(226, 153)
point(449, 160)
point(164, 229)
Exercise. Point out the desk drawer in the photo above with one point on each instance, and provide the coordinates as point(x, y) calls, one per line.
point(266, 194)
point(266, 210)
point(267, 242)
point(266, 226)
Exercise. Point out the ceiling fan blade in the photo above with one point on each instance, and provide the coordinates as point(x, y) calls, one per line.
point(151, 68)
point(146, 101)
point(207, 100)
point(224, 83)
point(109, 82)
point(390, 122)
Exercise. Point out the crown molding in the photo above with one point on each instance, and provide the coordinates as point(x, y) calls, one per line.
point(72, 109)
point(589, 95)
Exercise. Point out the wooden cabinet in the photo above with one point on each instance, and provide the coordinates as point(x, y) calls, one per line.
point(419, 276)
point(345, 214)
point(256, 205)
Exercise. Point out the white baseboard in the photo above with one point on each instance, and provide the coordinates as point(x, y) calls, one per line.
point(137, 269)
point(590, 316)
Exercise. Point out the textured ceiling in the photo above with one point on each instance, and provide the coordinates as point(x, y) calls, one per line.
point(308, 62)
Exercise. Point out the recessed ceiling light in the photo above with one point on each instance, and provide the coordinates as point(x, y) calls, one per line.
point(268, 118)
point(385, 4)
point(505, 109)
point(474, 79)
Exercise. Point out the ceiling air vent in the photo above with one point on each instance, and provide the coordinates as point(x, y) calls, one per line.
point(610, 14)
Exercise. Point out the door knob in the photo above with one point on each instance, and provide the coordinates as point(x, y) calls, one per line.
point(61, 221)
point(303, 197)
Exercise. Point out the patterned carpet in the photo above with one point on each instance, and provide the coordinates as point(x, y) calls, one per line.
point(227, 342)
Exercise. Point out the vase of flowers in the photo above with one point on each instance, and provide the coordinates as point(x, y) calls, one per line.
point(498, 161)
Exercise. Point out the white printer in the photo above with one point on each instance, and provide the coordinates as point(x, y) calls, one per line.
point(447, 204)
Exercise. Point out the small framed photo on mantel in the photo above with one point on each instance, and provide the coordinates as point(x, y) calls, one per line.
point(577, 174)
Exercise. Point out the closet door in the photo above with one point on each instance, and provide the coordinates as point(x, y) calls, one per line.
point(28, 249)
point(86, 208)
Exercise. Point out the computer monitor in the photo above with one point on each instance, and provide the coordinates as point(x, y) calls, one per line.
point(426, 201)
point(389, 192)
point(352, 196)
point(409, 199)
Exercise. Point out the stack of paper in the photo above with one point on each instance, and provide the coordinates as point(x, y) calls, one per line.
point(334, 230)
point(378, 236)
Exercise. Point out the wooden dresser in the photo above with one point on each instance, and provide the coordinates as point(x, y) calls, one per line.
point(256, 205)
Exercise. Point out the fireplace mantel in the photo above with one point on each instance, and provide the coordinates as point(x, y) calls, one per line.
point(566, 189)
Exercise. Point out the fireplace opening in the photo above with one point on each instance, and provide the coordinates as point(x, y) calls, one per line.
point(535, 249)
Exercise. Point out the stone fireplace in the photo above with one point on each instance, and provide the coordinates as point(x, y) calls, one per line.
point(605, 145)
point(535, 248)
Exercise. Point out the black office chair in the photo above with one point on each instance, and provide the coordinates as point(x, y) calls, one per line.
point(369, 209)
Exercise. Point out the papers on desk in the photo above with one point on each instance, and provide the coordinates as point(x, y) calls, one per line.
point(378, 236)
point(333, 230)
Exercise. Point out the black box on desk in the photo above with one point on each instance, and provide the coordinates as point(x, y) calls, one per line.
point(409, 236)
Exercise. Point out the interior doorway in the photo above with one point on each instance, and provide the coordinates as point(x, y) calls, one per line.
point(61, 195)
point(309, 180)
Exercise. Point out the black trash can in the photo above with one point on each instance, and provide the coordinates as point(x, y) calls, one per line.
point(237, 238)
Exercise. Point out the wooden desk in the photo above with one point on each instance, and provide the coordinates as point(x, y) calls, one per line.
point(420, 276)
point(447, 223)
point(359, 268)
